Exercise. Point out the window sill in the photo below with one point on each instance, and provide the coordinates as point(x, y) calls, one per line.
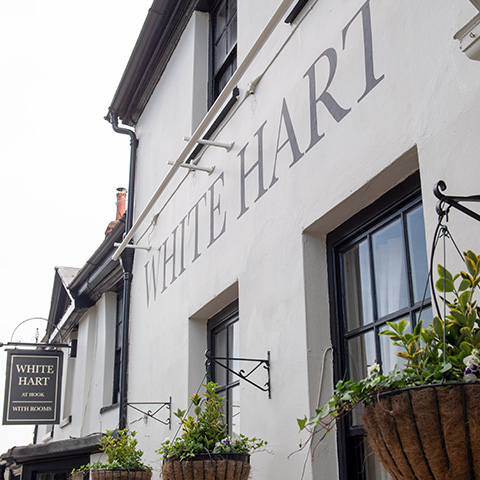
point(66, 421)
point(108, 408)
point(47, 437)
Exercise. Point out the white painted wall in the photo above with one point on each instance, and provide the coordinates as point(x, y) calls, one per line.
point(88, 378)
point(422, 114)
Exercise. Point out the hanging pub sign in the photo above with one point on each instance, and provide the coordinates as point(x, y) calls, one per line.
point(33, 387)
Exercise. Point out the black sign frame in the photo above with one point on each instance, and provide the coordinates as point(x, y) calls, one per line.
point(33, 387)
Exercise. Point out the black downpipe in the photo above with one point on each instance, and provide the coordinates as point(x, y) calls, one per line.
point(126, 260)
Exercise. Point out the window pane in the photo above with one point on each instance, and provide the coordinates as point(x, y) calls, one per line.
point(389, 264)
point(418, 253)
point(373, 468)
point(222, 393)
point(232, 33)
point(232, 8)
point(231, 346)
point(234, 341)
point(223, 331)
point(221, 351)
point(426, 315)
point(389, 351)
point(357, 286)
point(220, 52)
point(235, 410)
point(220, 21)
point(223, 79)
point(118, 322)
point(119, 335)
point(361, 354)
point(224, 39)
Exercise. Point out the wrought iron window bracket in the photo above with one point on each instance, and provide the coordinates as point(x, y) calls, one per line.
point(454, 202)
point(152, 414)
point(265, 363)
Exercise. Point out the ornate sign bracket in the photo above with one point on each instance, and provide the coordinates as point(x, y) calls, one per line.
point(72, 345)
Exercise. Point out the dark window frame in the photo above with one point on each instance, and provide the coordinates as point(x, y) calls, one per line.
point(217, 70)
point(218, 323)
point(58, 464)
point(397, 201)
point(117, 359)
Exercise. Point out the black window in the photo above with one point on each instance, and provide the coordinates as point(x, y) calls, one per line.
point(378, 272)
point(52, 476)
point(58, 467)
point(223, 345)
point(117, 366)
point(223, 45)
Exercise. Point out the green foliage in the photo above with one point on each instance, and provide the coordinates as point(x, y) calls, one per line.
point(121, 451)
point(206, 431)
point(239, 444)
point(429, 358)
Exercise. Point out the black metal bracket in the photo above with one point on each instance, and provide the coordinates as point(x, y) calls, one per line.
point(454, 202)
point(151, 414)
point(265, 363)
point(72, 346)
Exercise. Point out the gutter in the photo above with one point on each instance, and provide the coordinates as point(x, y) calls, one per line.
point(99, 274)
point(85, 286)
point(160, 34)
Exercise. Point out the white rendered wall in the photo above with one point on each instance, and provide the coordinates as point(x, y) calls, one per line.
point(88, 378)
point(418, 109)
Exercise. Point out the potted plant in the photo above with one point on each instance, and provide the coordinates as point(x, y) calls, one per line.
point(204, 450)
point(124, 460)
point(422, 421)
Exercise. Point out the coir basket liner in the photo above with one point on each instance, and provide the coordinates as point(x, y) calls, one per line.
point(430, 432)
point(119, 475)
point(208, 467)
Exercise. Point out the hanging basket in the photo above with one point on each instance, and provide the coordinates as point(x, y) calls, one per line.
point(120, 475)
point(425, 433)
point(228, 466)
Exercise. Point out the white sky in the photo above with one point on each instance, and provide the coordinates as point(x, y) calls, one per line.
point(61, 162)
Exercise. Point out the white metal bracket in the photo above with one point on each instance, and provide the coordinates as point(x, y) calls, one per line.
point(192, 166)
point(137, 247)
point(469, 38)
point(210, 143)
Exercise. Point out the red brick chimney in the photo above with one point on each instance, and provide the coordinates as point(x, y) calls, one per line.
point(121, 207)
point(121, 203)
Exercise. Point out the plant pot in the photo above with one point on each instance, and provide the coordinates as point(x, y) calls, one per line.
point(425, 433)
point(227, 466)
point(120, 475)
